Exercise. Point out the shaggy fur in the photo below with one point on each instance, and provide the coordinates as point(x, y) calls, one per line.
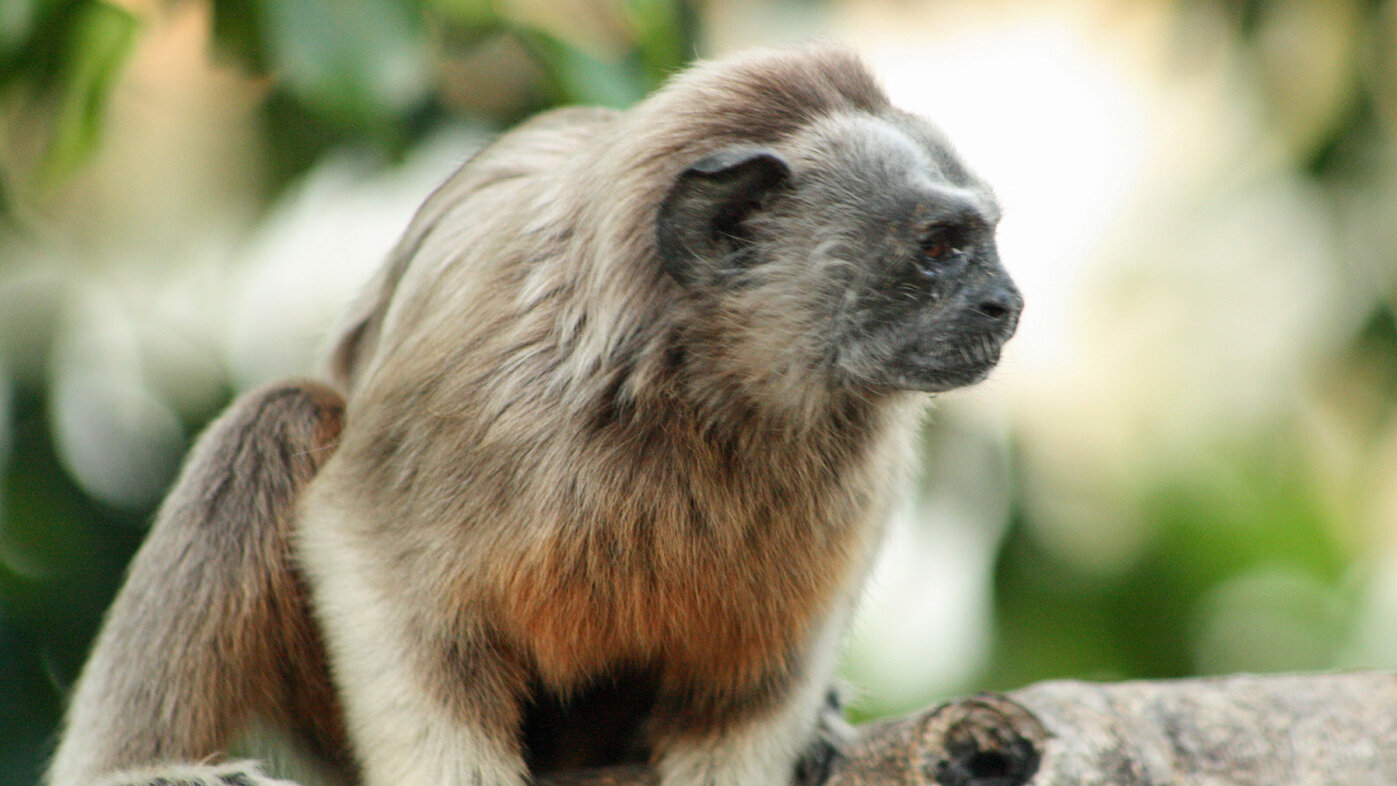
point(596, 498)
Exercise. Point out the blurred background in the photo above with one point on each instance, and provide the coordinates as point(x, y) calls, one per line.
point(1186, 465)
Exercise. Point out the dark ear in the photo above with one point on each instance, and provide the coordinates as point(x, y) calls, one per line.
point(700, 223)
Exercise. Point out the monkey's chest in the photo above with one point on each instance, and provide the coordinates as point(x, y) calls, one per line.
point(700, 608)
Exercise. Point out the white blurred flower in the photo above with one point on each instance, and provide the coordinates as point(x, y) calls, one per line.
point(318, 246)
point(119, 439)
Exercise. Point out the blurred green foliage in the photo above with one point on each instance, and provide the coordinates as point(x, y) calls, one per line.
point(1253, 503)
point(64, 554)
point(1250, 507)
point(343, 71)
point(70, 53)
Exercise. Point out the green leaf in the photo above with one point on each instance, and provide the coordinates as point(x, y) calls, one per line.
point(468, 13)
point(17, 19)
point(101, 43)
point(579, 78)
point(236, 34)
point(359, 62)
point(660, 35)
point(35, 39)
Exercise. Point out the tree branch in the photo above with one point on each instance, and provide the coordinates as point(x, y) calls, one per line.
point(1229, 731)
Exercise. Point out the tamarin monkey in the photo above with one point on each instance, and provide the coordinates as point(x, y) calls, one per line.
point(601, 461)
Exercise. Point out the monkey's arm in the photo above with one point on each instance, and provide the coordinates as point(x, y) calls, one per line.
point(210, 630)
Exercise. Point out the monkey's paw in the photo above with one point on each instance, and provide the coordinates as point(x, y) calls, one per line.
point(236, 773)
point(832, 735)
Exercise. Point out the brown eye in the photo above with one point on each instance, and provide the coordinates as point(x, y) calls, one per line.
point(937, 246)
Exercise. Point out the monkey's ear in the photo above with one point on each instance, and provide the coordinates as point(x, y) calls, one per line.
point(700, 221)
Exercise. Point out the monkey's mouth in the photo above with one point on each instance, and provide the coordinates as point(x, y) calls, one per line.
point(947, 366)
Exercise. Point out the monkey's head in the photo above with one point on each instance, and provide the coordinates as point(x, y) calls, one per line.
point(859, 249)
point(766, 227)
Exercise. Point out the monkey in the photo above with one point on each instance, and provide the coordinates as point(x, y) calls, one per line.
point(596, 468)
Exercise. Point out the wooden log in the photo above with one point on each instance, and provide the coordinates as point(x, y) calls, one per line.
point(1291, 730)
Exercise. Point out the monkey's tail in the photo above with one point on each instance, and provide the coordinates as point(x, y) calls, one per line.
point(211, 629)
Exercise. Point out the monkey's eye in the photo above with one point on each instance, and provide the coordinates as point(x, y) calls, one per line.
point(939, 246)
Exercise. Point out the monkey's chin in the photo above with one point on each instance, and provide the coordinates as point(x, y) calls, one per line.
point(943, 380)
point(929, 375)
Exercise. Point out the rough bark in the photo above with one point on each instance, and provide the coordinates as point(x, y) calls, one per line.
point(1338, 729)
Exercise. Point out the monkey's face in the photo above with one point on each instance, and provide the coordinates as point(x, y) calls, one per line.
point(927, 304)
point(863, 255)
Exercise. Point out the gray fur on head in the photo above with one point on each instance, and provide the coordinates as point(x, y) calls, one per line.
point(556, 226)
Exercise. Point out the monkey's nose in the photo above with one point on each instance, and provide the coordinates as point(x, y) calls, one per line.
point(999, 305)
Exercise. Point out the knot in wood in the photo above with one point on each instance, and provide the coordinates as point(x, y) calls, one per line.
point(986, 740)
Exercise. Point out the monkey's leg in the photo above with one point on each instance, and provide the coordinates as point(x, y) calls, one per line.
point(428, 697)
point(789, 740)
point(832, 734)
point(210, 630)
